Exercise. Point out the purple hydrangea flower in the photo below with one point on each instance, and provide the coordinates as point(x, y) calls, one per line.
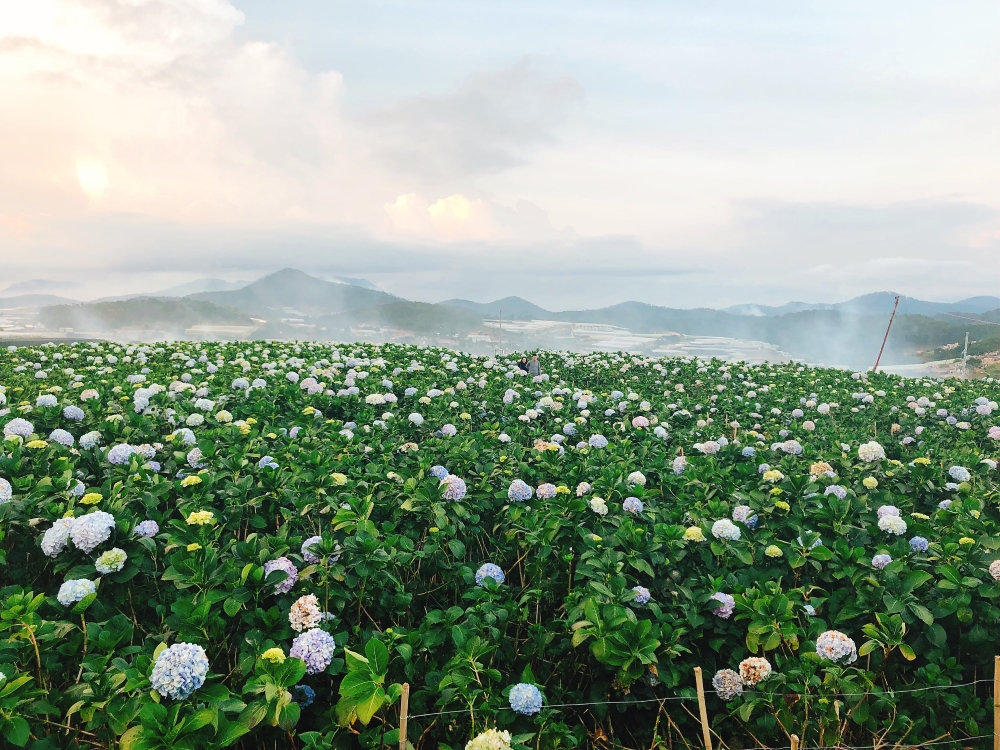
point(286, 565)
point(919, 544)
point(147, 529)
point(454, 487)
point(314, 647)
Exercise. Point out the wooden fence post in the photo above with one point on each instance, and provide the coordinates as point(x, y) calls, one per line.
point(404, 714)
point(795, 742)
point(996, 703)
point(702, 710)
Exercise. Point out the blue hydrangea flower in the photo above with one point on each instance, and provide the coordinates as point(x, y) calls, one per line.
point(91, 530)
point(179, 671)
point(520, 491)
point(6, 491)
point(304, 695)
point(120, 454)
point(90, 440)
point(489, 570)
point(632, 505)
point(314, 647)
point(18, 427)
point(748, 452)
point(73, 413)
point(679, 464)
point(525, 699)
point(62, 437)
point(266, 462)
point(944, 504)
point(836, 489)
point(307, 554)
point(959, 474)
point(439, 472)
point(919, 544)
point(74, 590)
point(642, 594)
point(598, 441)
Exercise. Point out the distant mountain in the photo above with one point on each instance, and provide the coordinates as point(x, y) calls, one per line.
point(512, 308)
point(351, 281)
point(197, 286)
point(874, 304)
point(34, 300)
point(762, 310)
point(418, 317)
point(292, 292)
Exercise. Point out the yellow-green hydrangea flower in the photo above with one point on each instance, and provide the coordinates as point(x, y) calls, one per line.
point(91, 498)
point(339, 480)
point(694, 534)
point(193, 547)
point(773, 550)
point(273, 655)
point(190, 481)
point(200, 518)
point(870, 482)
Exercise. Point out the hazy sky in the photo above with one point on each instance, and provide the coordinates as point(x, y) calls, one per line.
point(574, 153)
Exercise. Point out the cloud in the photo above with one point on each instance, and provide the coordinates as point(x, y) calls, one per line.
point(161, 108)
point(457, 217)
point(37, 286)
point(493, 122)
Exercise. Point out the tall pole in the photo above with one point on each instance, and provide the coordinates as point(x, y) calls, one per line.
point(702, 710)
point(404, 715)
point(501, 332)
point(965, 354)
point(886, 337)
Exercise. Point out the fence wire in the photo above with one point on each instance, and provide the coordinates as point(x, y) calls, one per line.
point(666, 699)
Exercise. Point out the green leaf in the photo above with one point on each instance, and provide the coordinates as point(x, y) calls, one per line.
point(290, 672)
point(355, 661)
point(907, 652)
point(129, 739)
point(867, 647)
point(81, 606)
point(922, 612)
point(457, 549)
point(378, 656)
point(231, 606)
point(17, 731)
point(366, 708)
point(289, 715)
point(357, 684)
point(821, 553)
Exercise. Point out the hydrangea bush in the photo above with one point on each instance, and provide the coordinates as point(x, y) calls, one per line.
point(253, 544)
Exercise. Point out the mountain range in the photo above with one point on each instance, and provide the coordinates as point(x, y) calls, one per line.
point(291, 303)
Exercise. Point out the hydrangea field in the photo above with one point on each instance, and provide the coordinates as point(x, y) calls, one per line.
point(255, 544)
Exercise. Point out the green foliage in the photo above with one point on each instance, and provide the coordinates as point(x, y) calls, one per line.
point(391, 570)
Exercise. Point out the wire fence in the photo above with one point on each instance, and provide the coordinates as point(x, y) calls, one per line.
point(875, 692)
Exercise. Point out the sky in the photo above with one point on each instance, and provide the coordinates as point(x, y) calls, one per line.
point(577, 154)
